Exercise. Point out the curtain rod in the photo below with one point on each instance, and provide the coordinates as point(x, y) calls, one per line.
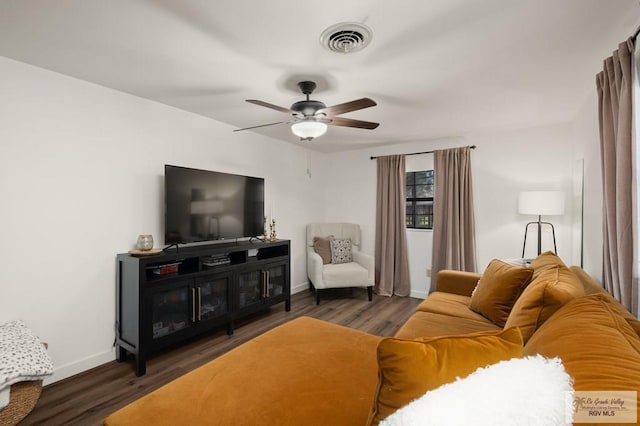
point(423, 152)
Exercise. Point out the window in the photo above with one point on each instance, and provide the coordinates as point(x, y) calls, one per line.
point(420, 200)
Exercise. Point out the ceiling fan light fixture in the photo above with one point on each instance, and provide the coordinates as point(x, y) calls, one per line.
point(308, 129)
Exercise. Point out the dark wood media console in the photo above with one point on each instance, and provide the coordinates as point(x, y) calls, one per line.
point(166, 298)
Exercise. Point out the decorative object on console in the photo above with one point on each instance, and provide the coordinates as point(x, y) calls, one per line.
point(145, 242)
point(539, 203)
point(266, 232)
point(272, 227)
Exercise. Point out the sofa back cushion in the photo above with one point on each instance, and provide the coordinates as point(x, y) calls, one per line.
point(497, 290)
point(552, 286)
point(409, 368)
point(590, 285)
point(544, 262)
point(596, 339)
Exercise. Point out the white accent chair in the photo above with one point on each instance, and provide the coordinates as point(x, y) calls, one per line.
point(359, 273)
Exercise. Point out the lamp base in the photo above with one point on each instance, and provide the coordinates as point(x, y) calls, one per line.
point(539, 223)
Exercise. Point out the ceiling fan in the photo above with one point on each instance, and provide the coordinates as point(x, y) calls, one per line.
point(310, 118)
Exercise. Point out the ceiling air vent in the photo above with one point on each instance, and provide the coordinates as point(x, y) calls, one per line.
point(346, 37)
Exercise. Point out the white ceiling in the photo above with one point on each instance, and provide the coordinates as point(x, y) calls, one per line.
point(436, 68)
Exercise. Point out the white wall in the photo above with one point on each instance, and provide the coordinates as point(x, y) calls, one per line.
point(586, 146)
point(507, 163)
point(81, 177)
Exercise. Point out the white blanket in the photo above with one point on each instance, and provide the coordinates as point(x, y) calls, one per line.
point(22, 358)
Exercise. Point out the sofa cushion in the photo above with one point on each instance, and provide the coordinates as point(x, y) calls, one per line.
point(594, 338)
point(544, 261)
point(590, 285)
point(453, 305)
point(497, 290)
point(537, 383)
point(553, 285)
point(322, 246)
point(429, 324)
point(305, 372)
point(456, 282)
point(350, 274)
point(409, 368)
point(340, 250)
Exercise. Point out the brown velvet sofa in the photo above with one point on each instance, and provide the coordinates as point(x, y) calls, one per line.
point(311, 372)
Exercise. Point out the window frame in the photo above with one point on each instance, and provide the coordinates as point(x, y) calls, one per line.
point(411, 198)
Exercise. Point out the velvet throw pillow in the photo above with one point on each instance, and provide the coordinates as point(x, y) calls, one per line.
point(498, 289)
point(322, 246)
point(552, 287)
point(409, 368)
point(341, 250)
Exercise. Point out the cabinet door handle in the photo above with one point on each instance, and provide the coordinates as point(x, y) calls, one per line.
point(199, 304)
point(267, 282)
point(193, 305)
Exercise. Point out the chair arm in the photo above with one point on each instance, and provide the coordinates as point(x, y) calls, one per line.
point(366, 261)
point(314, 268)
point(457, 282)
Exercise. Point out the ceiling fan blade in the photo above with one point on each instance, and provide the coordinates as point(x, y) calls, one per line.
point(349, 122)
point(272, 106)
point(348, 107)
point(261, 125)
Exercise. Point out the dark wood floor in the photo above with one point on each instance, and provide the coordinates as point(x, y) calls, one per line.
point(86, 399)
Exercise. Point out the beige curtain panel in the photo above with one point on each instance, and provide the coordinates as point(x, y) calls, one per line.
point(614, 85)
point(454, 231)
point(392, 262)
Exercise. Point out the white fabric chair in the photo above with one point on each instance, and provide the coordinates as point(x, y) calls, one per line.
point(359, 273)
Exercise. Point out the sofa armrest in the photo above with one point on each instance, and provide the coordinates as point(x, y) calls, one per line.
point(314, 268)
point(366, 261)
point(457, 282)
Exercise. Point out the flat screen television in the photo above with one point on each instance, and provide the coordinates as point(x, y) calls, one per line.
point(203, 205)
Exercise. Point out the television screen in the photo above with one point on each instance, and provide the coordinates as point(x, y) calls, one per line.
point(202, 205)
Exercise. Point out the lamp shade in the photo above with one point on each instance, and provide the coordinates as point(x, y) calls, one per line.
point(309, 129)
point(541, 203)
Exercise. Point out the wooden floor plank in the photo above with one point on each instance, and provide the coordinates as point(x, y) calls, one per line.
point(86, 399)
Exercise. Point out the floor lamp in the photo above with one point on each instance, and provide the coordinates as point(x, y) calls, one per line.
point(539, 203)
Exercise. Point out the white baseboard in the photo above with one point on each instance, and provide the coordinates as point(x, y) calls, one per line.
point(418, 294)
point(300, 287)
point(77, 367)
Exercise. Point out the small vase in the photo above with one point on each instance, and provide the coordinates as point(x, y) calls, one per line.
point(145, 242)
